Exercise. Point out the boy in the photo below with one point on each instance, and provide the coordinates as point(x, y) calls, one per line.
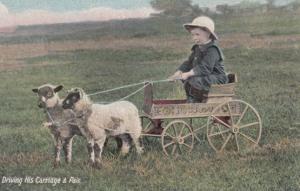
point(205, 64)
point(203, 67)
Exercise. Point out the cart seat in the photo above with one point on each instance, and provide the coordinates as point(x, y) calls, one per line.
point(223, 92)
point(224, 88)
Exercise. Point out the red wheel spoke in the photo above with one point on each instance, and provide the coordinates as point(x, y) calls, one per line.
point(222, 122)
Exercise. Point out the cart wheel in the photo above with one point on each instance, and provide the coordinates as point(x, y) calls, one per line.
point(234, 125)
point(177, 138)
point(147, 124)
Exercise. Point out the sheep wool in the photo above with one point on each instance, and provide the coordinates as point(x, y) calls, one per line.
point(97, 121)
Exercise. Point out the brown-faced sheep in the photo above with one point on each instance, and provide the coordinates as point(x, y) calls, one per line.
point(59, 121)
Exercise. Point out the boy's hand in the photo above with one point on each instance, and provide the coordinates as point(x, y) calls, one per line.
point(186, 75)
point(176, 76)
point(47, 124)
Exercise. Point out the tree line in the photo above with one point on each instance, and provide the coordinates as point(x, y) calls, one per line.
point(185, 8)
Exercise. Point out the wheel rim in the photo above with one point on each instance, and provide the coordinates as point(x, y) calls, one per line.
point(234, 125)
point(177, 138)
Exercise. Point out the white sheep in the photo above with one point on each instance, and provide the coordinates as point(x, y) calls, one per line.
point(97, 121)
point(59, 121)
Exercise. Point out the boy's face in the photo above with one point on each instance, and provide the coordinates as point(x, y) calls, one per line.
point(199, 35)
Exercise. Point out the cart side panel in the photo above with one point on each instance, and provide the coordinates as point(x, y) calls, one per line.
point(189, 110)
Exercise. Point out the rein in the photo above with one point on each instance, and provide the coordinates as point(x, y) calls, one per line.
point(57, 124)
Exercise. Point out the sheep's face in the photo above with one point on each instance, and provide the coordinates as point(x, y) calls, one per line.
point(48, 96)
point(71, 99)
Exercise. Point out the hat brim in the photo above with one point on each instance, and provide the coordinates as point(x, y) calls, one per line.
point(187, 26)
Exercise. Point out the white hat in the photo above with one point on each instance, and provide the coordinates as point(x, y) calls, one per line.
point(205, 22)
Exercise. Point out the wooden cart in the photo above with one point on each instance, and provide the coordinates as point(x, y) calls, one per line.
point(230, 124)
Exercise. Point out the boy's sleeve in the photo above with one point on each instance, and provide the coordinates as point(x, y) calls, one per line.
point(205, 66)
point(188, 64)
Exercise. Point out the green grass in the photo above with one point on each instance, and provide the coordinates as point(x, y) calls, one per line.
point(268, 79)
point(260, 24)
point(270, 168)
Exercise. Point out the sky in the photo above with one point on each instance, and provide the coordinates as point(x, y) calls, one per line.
point(31, 12)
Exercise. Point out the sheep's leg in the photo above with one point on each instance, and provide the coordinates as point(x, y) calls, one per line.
point(58, 147)
point(125, 146)
point(68, 149)
point(105, 143)
point(98, 147)
point(119, 141)
point(136, 141)
point(91, 152)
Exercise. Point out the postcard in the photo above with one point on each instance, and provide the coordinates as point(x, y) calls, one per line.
point(171, 95)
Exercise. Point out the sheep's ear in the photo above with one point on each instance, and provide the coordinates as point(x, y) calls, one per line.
point(35, 90)
point(58, 88)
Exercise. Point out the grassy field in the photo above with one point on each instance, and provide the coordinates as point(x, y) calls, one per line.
point(263, 51)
